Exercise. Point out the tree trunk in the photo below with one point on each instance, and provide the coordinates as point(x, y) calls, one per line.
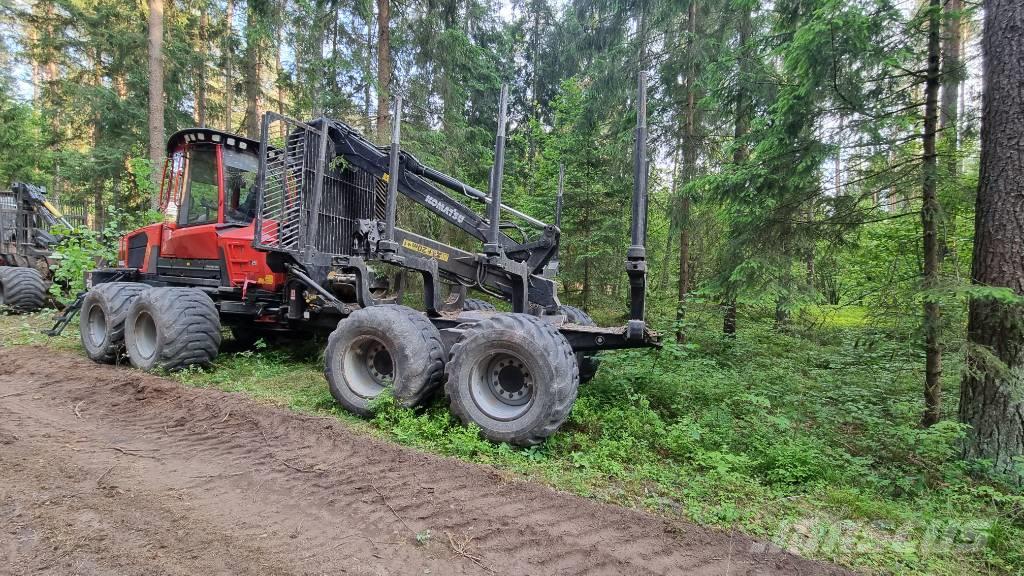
point(201, 76)
point(990, 400)
point(368, 72)
point(254, 34)
point(949, 108)
point(229, 83)
point(689, 173)
point(930, 227)
point(743, 114)
point(278, 69)
point(809, 258)
point(948, 111)
point(156, 95)
point(672, 216)
point(383, 69)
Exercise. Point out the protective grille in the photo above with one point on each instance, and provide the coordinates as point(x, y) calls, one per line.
point(296, 214)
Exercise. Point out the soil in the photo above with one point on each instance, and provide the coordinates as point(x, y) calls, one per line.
point(106, 470)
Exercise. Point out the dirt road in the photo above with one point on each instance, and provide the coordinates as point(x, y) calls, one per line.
point(108, 471)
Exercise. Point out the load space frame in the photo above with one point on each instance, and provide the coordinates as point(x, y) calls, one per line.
point(328, 204)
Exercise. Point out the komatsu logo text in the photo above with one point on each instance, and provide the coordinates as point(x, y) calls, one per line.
point(445, 209)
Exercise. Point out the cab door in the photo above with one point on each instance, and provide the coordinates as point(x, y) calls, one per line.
point(193, 235)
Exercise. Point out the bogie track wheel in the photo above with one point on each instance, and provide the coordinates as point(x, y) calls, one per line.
point(514, 376)
point(381, 346)
point(172, 329)
point(22, 289)
point(477, 304)
point(101, 320)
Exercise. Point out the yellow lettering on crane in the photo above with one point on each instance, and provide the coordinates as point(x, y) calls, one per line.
point(425, 250)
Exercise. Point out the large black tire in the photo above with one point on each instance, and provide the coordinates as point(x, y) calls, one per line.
point(172, 329)
point(588, 362)
point(514, 376)
point(477, 304)
point(381, 346)
point(101, 320)
point(22, 289)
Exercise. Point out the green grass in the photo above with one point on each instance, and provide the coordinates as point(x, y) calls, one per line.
point(809, 439)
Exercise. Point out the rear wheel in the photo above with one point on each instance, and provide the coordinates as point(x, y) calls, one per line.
point(101, 320)
point(382, 346)
point(22, 289)
point(588, 363)
point(514, 376)
point(172, 329)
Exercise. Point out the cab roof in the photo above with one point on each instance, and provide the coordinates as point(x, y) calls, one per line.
point(193, 135)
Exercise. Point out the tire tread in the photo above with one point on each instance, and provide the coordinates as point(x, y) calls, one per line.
point(558, 352)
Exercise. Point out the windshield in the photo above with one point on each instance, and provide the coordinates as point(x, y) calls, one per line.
point(201, 186)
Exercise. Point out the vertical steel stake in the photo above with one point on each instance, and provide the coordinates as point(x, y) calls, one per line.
point(493, 247)
point(389, 245)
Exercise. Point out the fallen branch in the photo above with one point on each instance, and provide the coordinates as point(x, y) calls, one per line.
point(462, 549)
point(130, 452)
point(221, 475)
point(402, 520)
point(102, 476)
point(297, 469)
point(15, 393)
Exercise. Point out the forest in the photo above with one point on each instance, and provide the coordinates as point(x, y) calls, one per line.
point(836, 253)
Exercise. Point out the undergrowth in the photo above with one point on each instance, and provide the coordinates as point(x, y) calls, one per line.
point(809, 439)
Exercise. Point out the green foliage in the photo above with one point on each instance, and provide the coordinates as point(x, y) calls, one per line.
point(21, 135)
point(82, 249)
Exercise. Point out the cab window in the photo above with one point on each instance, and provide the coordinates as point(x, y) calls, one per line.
point(201, 186)
point(240, 195)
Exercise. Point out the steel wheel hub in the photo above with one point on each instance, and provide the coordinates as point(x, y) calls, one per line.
point(368, 367)
point(502, 386)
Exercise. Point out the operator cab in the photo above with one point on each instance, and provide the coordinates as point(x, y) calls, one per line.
point(209, 198)
point(210, 178)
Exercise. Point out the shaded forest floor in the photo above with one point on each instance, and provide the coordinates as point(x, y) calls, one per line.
point(808, 438)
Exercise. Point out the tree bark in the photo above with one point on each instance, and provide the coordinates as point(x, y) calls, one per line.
point(229, 82)
point(948, 115)
point(383, 69)
point(278, 69)
point(741, 126)
point(156, 95)
point(930, 227)
point(991, 403)
point(201, 76)
point(672, 216)
point(689, 172)
point(368, 71)
point(254, 37)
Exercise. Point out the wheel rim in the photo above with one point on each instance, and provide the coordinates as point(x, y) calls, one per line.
point(502, 386)
point(145, 334)
point(97, 325)
point(368, 366)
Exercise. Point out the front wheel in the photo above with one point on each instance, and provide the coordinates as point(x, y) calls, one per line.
point(513, 375)
point(172, 329)
point(101, 320)
point(381, 346)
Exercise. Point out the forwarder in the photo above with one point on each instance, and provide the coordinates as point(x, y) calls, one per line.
point(26, 246)
point(295, 234)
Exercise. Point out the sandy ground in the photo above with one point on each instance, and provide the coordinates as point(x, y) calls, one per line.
point(106, 470)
